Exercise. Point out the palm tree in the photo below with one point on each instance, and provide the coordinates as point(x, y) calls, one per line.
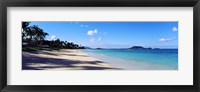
point(25, 24)
point(30, 32)
point(39, 34)
point(25, 29)
point(35, 36)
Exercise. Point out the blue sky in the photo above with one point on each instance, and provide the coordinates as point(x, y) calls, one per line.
point(114, 34)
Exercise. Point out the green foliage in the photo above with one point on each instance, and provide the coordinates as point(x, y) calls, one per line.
point(34, 37)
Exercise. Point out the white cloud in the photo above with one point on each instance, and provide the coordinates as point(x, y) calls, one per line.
point(175, 29)
point(166, 39)
point(92, 40)
point(92, 32)
point(53, 37)
point(99, 39)
point(82, 25)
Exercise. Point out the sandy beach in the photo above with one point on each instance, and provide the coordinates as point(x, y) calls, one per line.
point(64, 59)
point(94, 49)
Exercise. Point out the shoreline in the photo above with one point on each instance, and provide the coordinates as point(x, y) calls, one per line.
point(64, 59)
point(77, 59)
point(129, 64)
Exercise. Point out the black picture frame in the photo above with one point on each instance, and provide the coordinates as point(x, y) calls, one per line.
point(100, 3)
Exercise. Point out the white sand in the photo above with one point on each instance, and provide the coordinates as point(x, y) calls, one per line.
point(65, 59)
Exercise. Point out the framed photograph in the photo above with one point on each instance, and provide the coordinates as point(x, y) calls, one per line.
point(121, 45)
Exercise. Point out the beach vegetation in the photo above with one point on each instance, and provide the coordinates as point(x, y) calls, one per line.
point(33, 38)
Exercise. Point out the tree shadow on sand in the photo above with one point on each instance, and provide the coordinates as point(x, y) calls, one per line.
point(42, 52)
point(30, 62)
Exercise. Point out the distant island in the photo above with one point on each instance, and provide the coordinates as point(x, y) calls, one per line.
point(133, 47)
point(140, 47)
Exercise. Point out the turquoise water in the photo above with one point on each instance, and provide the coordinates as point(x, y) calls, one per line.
point(166, 57)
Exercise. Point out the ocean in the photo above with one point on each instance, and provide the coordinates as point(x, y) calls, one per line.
point(138, 59)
